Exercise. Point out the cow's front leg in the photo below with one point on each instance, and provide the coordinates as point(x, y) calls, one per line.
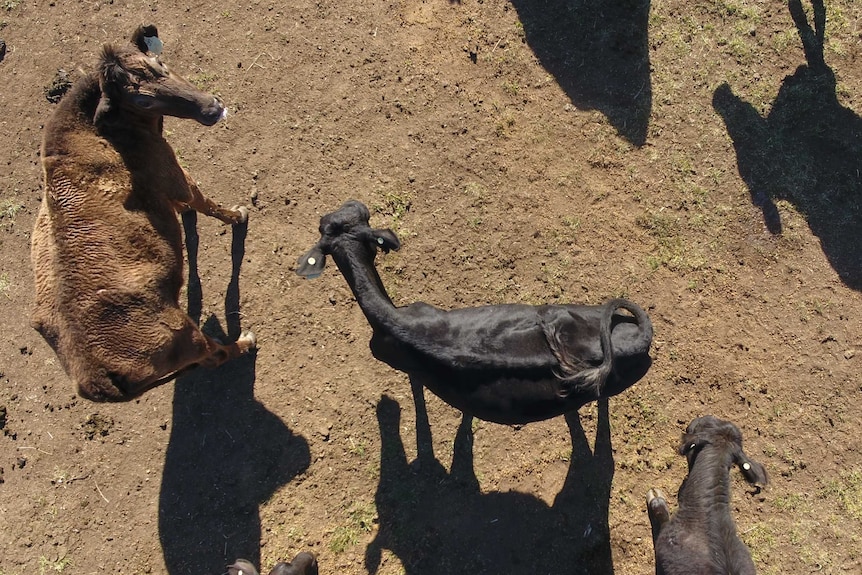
point(658, 512)
point(200, 203)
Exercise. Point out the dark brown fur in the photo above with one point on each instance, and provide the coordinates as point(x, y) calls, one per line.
point(107, 245)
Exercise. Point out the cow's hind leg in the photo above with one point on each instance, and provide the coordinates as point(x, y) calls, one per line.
point(189, 348)
point(658, 511)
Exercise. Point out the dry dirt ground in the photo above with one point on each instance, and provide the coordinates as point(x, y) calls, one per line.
point(695, 156)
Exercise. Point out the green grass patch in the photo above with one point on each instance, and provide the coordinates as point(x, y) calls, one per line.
point(46, 566)
point(846, 489)
point(9, 209)
point(360, 519)
point(393, 204)
point(204, 81)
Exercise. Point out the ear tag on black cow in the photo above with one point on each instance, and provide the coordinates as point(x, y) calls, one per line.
point(154, 44)
point(380, 240)
point(746, 466)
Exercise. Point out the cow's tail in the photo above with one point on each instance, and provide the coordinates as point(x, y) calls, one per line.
point(592, 379)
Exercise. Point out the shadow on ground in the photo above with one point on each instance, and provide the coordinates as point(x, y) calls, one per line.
point(227, 453)
point(807, 151)
point(598, 51)
point(442, 523)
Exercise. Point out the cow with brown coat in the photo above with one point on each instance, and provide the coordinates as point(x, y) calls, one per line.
point(107, 245)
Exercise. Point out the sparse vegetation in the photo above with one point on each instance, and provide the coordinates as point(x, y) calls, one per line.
point(47, 567)
point(361, 518)
point(9, 210)
point(205, 81)
point(847, 491)
point(393, 204)
point(4, 285)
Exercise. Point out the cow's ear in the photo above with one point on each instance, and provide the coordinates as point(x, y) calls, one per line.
point(385, 240)
point(112, 76)
point(311, 263)
point(753, 472)
point(146, 38)
point(692, 443)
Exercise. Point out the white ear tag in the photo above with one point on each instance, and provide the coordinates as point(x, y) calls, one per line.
point(311, 261)
point(380, 241)
point(692, 446)
point(153, 43)
point(746, 466)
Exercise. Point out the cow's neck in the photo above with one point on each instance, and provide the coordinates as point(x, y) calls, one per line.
point(362, 277)
point(706, 489)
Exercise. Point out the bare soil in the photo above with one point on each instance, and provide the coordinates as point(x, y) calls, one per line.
point(689, 155)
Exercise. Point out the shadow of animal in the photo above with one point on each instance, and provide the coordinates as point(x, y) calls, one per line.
point(598, 51)
point(701, 537)
point(438, 522)
point(107, 244)
point(807, 151)
point(227, 453)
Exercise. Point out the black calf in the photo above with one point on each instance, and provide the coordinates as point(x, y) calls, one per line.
point(701, 538)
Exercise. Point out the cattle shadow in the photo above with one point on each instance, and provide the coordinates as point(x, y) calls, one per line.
point(807, 151)
point(436, 522)
point(598, 51)
point(227, 453)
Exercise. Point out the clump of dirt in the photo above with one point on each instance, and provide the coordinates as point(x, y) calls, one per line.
point(58, 87)
point(97, 425)
point(4, 418)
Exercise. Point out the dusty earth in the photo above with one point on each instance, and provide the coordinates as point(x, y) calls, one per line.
point(689, 155)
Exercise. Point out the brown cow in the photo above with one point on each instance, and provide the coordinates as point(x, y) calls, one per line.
point(107, 246)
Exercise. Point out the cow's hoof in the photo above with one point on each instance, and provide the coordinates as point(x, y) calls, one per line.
point(247, 341)
point(243, 214)
point(241, 567)
point(304, 563)
point(656, 495)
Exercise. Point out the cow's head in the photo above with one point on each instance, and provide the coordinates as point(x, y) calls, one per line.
point(134, 80)
point(724, 435)
point(347, 226)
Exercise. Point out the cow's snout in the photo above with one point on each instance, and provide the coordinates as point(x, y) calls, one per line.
point(213, 112)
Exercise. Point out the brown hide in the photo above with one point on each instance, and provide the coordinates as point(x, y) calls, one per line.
point(107, 245)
